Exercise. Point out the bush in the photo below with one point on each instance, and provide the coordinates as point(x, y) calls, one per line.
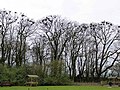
point(14, 75)
point(17, 75)
point(62, 80)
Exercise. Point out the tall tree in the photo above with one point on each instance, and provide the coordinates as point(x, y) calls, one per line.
point(74, 46)
point(105, 39)
point(55, 29)
point(7, 19)
point(24, 28)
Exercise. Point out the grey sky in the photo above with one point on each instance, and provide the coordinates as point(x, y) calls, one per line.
point(83, 11)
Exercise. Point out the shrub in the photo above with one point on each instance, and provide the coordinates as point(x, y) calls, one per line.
point(14, 75)
point(56, 81)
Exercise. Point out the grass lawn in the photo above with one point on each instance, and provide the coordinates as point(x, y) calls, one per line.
point(60, 88)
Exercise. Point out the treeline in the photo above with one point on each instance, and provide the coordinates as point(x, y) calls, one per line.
point(57, 49)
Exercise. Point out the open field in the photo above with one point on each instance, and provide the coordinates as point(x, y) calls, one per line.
point(60, 88)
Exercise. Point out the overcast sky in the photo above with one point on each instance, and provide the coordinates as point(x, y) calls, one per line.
point(83, 11)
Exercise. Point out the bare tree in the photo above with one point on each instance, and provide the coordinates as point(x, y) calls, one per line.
point(104, 36)
point(55, 29)
point(7, 19)
point(24, 28)
point(74, 46)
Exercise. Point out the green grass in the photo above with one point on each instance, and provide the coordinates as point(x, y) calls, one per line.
point(60, 88)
